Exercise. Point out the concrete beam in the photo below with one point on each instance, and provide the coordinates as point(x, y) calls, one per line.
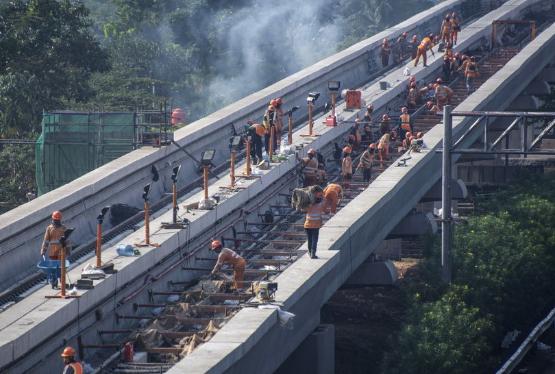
point(414, 224)
point(458, 191)
point(381, 273)
point(538, 87)
point(526, 102)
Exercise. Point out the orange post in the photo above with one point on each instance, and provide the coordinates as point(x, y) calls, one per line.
point(63, 272)
point(248, 169)
point(98, 244)
point(205, 181)
point(533, 30)
point(232, 168)
point(290, 131)
point(271, 150)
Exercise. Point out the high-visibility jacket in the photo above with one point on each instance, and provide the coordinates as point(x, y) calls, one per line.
point(314, 215)
point(73, 368)
point(425, 44)
point(258, 129)
point(51, 243)
point(229, 256)
point(332, 195)
point(310, 166)
point(405, 121)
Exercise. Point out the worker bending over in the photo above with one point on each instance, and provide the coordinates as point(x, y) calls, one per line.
point(257, 132)
point(228, 256)
point(71, 366)
point(310, 168)
point(425, 45)
point(383, 149)
point(52, 236)
point(333, 193)
point(314, 220)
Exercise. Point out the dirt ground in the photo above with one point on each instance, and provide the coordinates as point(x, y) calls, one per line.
point(365, 320)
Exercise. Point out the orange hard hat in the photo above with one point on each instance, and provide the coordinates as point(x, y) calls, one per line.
point(273, 102)
point(311, 151)
point(57, 215)
point(216, 244)
point(68, 352)
point(347, 149)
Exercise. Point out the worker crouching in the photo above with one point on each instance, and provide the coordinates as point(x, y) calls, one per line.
point(333, 193)
point(314, 220)
point(310, 168)
point(228, 256)
point(71, 366)
point(54, 232)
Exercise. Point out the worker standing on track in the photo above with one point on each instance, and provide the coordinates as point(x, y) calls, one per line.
point(443, 94)
point(71, 366)
point(256, 131)
point(51, 243)
point(269, 122)
point(228, 256)
point(413, 46)
point(385, 51)
point(346, 167)
point(309, 168)
point(385, 124)
point(314, 220)
point(470, 73)
point(455, 28)
point(426, 45)
point(333, 193)
point(402, 46)
point(365, 163)
point(446, 30)
point(406, 127)
point(276, 103)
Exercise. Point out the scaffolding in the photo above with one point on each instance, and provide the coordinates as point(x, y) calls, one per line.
point(74, 143)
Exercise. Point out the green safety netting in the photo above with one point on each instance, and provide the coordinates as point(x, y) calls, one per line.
point(72, 144)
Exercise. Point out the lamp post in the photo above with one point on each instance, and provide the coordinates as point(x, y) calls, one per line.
point(206, 161)
point(333, 87)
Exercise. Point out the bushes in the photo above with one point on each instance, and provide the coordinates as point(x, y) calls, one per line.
point(502, 277)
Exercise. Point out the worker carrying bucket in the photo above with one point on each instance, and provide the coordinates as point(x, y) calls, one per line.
point(51, 243)
point(228, 256)
point(71, 366)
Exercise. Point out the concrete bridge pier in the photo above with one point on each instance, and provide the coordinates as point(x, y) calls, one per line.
point(315, 355)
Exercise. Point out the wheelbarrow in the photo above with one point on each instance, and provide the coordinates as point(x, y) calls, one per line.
point(51, 268)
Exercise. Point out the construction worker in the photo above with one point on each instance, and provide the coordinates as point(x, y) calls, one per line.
point(401, 47)
point(383, 149)
point(431, 107)
point(425, 45)
point(412, 96)
point(470, 73)
point(455, 28)
point(314, 220)
point(385, 124)
point(355, 137)
point(365, 163)
point(228, 256)
point(347, 167)
point(368, 113)
point(256, 131)
point(309, 168)
point(406, 127)
point(71, 366)
point(385, 51)
point(443, 94)
point(54, 232)
point(269, 123)
point(445, 32)
point(333, 193)
point(277, 103)
point(413, 46)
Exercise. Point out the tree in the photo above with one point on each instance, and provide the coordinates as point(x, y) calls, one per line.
point(47, 55)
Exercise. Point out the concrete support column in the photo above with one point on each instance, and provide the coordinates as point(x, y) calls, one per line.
point(315, 355)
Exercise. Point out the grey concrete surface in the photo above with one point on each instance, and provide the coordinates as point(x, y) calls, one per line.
point(307, 284)
point(382, 273)
point(122, 180)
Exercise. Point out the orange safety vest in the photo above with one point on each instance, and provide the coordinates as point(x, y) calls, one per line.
point(76, 368)
point(332, 194)
point(314, 216)
point(425, 43)
point(405, 121)
point(311, 165)
point(51, 240)
point(259, 129)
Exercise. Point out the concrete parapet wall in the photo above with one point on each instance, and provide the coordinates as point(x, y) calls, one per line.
point(122, 180)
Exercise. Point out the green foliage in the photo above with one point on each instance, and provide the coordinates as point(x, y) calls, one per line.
point(17, 175)
point(502, 280)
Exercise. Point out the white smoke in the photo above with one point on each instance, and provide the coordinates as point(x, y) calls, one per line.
point(270, 40)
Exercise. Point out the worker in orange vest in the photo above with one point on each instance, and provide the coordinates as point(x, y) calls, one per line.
point(470, 73)
point(310, 168)
point(71, 366)
point(269, 122)
point(333, 193)
point(228, 256)
point(257, 132)
point(314, 220)
point(446, 28)
point(443, 94)
point(455, 28)
point(406, 127)
point(347, 167)
point(385, 51)
point(276, 103)
point(383, 149)
point(425, 45)
point(52, 236)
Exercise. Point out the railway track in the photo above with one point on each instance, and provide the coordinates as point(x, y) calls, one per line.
point(184, 316)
